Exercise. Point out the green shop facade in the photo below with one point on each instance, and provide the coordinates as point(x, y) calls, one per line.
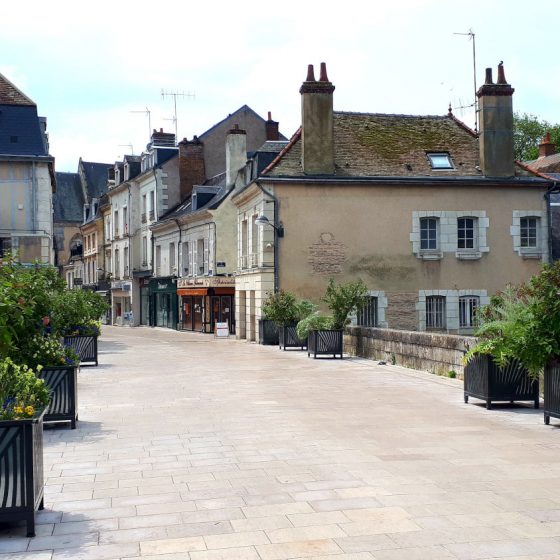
point(163, 303)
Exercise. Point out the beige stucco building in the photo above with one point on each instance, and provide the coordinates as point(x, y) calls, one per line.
point(431, 216)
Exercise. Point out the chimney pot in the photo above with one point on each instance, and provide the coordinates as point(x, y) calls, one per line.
point(488, 79)
point(501, 74)
point(310, 73)
point(323, 77)
point(269, 116)
point(547, 146)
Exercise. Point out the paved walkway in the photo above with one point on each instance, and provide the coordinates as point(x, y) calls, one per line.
point(193, 448)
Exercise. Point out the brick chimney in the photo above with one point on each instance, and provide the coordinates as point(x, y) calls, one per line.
point(163, 138)
point(236, 153)
point(547, 146)
point(317, 123)
point(496, 126)
point(191, 165)
point(271, 128)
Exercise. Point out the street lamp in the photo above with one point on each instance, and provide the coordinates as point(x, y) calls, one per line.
point(262, 220)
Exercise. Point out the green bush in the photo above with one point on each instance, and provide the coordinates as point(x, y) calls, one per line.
point(22, 394)
point(344, 299)
point(77, 312)
point(314, 322)
point(45, 351)
point(284, 308)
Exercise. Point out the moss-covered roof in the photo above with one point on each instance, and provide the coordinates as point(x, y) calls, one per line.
point(368, 144)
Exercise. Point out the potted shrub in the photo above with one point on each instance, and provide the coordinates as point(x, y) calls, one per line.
point(23, 398)
point(522, 325)
point(268, 326)
point(326, 333)
point(58, 366)
point(75, 316)
point(285, 310)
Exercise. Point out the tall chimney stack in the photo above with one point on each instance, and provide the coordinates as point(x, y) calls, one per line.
point(547, 147)
point(496, 126)
point(236, 153)
point(317, 123)
point(191, 165)
point(271, 128)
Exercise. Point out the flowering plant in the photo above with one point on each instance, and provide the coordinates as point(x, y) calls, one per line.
point(22, 393)
point(47, 351)
point(77, 312)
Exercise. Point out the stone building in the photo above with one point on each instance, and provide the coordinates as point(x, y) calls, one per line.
point(27, 179)
point(431, 216)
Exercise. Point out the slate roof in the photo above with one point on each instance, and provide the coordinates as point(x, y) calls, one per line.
point(68, 200)
point(96, 175)
point(11, 95)
point(371, 144)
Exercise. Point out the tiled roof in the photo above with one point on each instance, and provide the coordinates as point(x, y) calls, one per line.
point(11, 95)
point(547, 164)
point(367, 144)
point(68, 200)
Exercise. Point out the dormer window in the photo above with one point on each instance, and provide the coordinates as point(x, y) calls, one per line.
point(440, 160)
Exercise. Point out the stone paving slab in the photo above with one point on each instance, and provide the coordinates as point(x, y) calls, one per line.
point(189, 447)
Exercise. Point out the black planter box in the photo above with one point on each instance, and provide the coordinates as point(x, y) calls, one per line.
point(268, 332)
point(63, 384)
point(485, 380)
point(21, 470)
point(552, 391)
point(325, 343)
point(288, 338)
point(85, 346)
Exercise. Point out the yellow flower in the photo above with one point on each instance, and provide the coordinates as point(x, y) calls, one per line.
point(18, 409)
point(29, 410)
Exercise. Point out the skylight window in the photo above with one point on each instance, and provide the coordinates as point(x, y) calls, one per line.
point(440, 161)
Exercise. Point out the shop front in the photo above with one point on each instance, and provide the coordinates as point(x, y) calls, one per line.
point(121, 304)
point(163, 302)
point(205, 302)
point(144, 285)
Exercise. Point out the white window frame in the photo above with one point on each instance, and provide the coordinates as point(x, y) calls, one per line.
point(540, 251)
point(473, 303)
point(433, 156)
point(430, 221)
point(436, 307)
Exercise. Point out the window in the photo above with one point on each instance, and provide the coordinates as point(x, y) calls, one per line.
point(117, 264)
point(200, 256)
point(244, 244)
point(468, 306)
point(125, 259)
point(125, 220)
point(172, 267)
point(367, 316)
point(440, 161)
point(528, 232)
point(428, 234)
point(254, 241)
point(466, 233)
point(144, 250)
point(152, 205)
point(435, 312)
point(144, 207)
point(186, 258)
point(158, 259)
point(116, 223)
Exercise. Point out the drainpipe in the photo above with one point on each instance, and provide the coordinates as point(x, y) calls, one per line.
point(555, 188)
point(276, 225)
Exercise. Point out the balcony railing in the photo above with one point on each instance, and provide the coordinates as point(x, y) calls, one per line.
point(249, 261)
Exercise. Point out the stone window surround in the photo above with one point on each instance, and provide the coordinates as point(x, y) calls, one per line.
point(451, 306)
point(515, 231)
point(382, 304)
point(447, 234)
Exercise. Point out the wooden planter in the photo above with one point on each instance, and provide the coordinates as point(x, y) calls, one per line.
point(325, 343)
point(85, 346)
point(268, 332)
point(288, 338)
point(63, 384)
point(21, 470)
point(483, 379)
point(552, 391)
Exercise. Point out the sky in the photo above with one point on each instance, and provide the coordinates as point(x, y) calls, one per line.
point(97, 70)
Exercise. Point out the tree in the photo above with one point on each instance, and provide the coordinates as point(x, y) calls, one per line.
point(528, 132)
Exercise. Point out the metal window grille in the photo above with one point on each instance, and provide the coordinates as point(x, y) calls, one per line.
point(435, 312)
point(528, 232)
point(428, 233)
point(466, 233)
point(367, 316)
point(468, 306)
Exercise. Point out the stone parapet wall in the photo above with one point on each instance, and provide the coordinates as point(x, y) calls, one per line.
point(435, 352)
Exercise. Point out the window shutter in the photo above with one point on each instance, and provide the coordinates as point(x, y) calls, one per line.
point(206, 253)
point(195, 259)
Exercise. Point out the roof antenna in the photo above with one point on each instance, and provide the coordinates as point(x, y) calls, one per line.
point(471, 37)
point(148, 113)
point(175, 94)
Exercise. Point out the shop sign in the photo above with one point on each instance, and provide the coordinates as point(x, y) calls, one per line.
point(206, 282)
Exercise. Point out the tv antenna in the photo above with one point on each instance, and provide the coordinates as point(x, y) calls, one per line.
point(148, 113)
point(471, 35)
point(175, 94)
point(129, 146)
